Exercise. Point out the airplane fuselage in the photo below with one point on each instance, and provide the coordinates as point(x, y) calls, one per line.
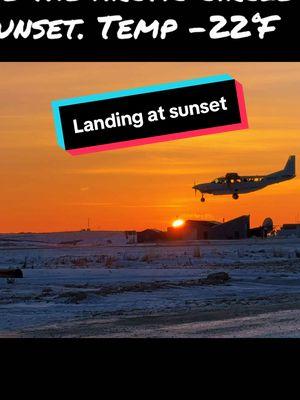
point(233, 184)
point(230, 188)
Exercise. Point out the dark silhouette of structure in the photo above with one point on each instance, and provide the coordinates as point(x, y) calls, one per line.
point(237, 228)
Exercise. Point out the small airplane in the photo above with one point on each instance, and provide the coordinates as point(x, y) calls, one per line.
point(234, 184)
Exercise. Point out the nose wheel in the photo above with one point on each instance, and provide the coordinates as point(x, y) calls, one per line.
point(235, 196)
point(202, 199)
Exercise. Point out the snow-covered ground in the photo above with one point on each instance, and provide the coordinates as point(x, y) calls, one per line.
point(87, 284)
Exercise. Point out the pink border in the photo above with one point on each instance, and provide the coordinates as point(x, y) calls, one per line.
point(242, 105)
point(173, 136)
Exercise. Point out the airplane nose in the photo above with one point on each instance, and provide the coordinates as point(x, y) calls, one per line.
point(199, 187)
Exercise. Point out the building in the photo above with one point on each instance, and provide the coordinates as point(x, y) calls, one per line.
point(191, 230)
point(131, 237)
point(237, 228)
point(150, 235)
point(257, 232)
point(263, 231)
point(289, 230)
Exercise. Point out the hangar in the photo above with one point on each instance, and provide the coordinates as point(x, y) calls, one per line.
point(237, 228)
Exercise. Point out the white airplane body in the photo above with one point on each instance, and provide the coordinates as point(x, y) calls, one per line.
point(233, 184)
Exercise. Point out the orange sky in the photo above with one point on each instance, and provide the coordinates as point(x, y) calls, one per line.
point(45, 189)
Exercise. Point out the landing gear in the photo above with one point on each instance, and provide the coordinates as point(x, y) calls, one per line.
point(202, 199)
point(235, 196)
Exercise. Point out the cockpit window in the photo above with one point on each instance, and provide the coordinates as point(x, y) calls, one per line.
point(219, 180)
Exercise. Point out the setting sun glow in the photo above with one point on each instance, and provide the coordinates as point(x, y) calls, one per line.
point(178, 223)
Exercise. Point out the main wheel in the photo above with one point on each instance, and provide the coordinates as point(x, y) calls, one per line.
point(235, 196)
point(202, 199)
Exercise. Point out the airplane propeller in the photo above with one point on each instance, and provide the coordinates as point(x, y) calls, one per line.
point(195, 188)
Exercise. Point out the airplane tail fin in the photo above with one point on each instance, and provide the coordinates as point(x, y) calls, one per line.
point(290, 166)
point(288, 172)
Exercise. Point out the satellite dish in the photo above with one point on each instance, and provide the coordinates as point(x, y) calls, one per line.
point(268, 225)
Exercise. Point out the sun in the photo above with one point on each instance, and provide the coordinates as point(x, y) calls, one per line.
point(178, 223)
